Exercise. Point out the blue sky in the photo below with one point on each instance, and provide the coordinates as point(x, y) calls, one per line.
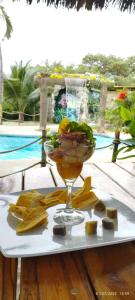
point(42, 33)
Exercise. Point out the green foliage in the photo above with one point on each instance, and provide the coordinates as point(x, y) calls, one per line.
point(18, 91)
point(7, 106)
point(82, 127)
point(54, 139)
point(129, 80)
point(122, 71)
point(112, 70)
point(106, 65)
point(129, 148)
point(6, 18)
point(131, 64)
point(112, 116)
point(117, 70)
point(132, 128)
point(125, 114)
point(74, 127)
point(122, 114)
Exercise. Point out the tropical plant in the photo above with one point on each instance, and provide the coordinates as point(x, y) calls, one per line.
point(122, 113)
point(126, 106)
point(19, 88)
point(128, 149)
point(123, 117)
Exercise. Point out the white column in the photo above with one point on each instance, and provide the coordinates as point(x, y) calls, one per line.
point(43, 107)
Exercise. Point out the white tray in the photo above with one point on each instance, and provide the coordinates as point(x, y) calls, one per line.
point(41, 241)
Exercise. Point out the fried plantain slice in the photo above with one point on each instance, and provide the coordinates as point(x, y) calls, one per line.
point(19, 211)
point(30, 199)
point(88, 199)
point(87, 183)
point(56, 193)
point(34, 218)
point(49, 202)
point(86, 187)
point(61, 198)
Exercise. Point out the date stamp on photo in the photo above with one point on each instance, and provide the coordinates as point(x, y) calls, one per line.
point(113, 293)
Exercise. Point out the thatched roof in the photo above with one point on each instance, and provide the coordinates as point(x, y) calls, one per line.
point(88, 4)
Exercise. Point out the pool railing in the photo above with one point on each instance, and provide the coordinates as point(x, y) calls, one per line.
point(43, 160)
point(115, 143)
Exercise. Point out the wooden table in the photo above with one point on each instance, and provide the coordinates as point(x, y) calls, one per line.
point(104, 273)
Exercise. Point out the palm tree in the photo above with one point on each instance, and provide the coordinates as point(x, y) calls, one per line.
point(19, 88)
point(7, 35)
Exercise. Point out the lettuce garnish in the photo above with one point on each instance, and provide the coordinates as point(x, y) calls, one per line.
point(73, 126)
point(81, 127)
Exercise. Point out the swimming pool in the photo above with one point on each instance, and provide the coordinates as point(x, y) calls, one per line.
point(8, 142)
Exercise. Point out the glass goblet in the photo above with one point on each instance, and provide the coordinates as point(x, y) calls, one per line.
point(69, 164)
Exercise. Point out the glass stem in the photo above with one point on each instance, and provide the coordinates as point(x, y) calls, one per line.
point(69, 185)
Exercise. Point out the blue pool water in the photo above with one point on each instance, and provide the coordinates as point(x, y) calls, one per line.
point(8, 142)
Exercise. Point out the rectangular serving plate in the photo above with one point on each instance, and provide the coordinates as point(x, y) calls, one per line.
point(41, 241)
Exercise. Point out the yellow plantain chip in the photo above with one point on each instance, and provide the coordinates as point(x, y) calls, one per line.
point(56, 193)
point(79, 198)
point(86, 187)
point(49, 202)
point(19, 211)
point(34, 218)
point(30, 199)
point(85, 200)
point(58, 199)
point(88, 203)
point(87, 183)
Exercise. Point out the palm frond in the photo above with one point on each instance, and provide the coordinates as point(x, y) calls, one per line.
point(9, 28)
point(125, 157)
point(19, 87)
point(31, 72)
point(123, 5)
point(34, 96)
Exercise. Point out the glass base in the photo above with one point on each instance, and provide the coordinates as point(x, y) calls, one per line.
point(68, 216)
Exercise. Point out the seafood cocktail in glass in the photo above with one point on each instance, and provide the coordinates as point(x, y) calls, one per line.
point(70, 148)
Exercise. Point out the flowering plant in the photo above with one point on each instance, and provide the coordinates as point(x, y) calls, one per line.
point(122, 96)
point(125, 106)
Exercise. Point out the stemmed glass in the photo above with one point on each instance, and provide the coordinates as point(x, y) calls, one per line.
point(69, 154)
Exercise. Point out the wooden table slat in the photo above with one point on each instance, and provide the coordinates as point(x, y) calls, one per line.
point(8, 278)
point(55, 277)
point(104, 273)
point(112, 270)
